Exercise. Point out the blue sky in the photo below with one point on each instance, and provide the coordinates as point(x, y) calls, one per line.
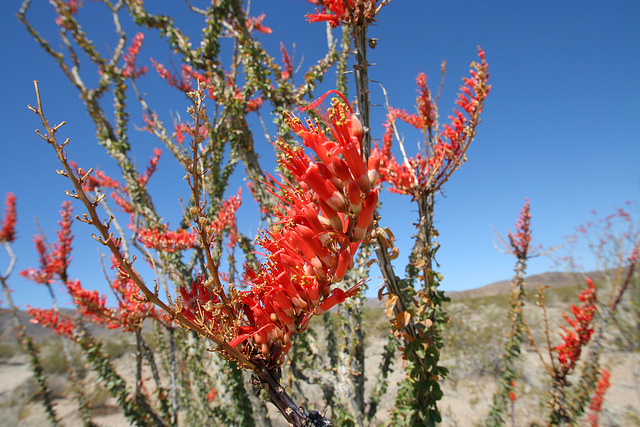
point(560, 125)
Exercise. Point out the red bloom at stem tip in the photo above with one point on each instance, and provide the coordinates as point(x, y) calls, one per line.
point(568, 352)
point(446, 150)
point(350, 12)
point(65, 9)
point(60, 324)
point(130, 58)
point(255, 23)
point(54, 261)
point(323, 217)
point(8, 230)
point(595, 406)
point(522, 238)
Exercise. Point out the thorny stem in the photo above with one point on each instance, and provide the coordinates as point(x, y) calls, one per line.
point(360, 69)
point(106, 238)
point(359, 34)
point(549, 367)
point(73, 372)
point(174, 381)
point(198, 114)
point(277, 395)
point(27, 342)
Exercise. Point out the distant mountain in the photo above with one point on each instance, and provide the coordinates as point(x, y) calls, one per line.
point(552, 279)
point(533, 282)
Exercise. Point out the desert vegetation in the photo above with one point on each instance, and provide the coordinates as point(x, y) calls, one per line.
point(208, 325)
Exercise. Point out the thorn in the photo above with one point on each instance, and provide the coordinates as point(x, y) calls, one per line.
point(70, 194)
point(99, 199)
point(86, 175)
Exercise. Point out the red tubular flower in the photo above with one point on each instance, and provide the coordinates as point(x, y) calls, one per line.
point(60, 324)
point(352, 12)
point(522, 238)
point(321, 221)
point(91, 304)
point(183, 83)
point(65, 10)
point(130, 58)
point(446, 152)
point(254, 104)
point(595, 406)
point(211, 395)
point(512, 393)
point(568, 352)
point(8, 230)
point(163, 239)
point(54, 263)
point(182, 128)
point(255, 23)
point(143, 180)
point(128, 315)
point(61, 253)
point(286, 59)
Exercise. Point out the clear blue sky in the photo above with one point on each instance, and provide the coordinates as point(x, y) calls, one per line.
point(561, 125)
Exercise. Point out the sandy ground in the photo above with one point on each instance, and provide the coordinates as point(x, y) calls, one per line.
point(466, 401)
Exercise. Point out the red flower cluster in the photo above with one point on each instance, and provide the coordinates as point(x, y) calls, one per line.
point(353, 12)
point(129, 313)
point(51, 319)
point(143, 179)
point(211, 395)
point(163, 239)
point(182, 83)
point(322, 221)
point(65, 9)
point(288, 65)
point(255, 23)
point(512, 393)
point(254, 104)
point(100, 180)
point(522, 238)
point(568, 352)
point(225, 220)
point(130, 58)
point(8, 230)
point(595, 406)
point(447, 151)
point(54, 262)
point(182, 128)
point(423, 120)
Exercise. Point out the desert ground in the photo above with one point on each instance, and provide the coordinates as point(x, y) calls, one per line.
point(473, 347)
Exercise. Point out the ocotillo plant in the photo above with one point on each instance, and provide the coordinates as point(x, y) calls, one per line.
point(319, 212)
point(7, 236)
